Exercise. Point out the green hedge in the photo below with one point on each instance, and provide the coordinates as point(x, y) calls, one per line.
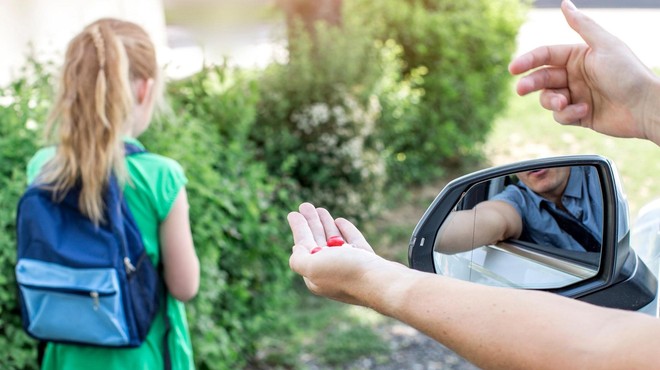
point(23, 104)
point(428, 78)
point(318, 113)
point(238, 212)
point(454, 60)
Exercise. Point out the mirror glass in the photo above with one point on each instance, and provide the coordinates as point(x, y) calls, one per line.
point(539, 229)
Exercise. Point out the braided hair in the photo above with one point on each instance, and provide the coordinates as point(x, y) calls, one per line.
point(91, 112)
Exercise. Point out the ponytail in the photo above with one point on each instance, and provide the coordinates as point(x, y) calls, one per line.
point(91, 112)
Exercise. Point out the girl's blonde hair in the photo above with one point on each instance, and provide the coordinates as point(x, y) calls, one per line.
point(93, 107)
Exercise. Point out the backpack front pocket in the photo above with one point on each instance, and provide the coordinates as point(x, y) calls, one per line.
point(78, 305)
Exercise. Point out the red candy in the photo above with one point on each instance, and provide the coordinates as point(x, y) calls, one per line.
point(335, 241)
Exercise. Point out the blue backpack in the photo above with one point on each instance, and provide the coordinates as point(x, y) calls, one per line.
point(80, 283)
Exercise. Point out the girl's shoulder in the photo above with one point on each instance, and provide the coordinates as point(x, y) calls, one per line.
point(155, 163)
point(156, 177)
point(150, 161)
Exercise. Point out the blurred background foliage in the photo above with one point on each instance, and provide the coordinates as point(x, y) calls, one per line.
point(454, 57)
point(24, 105)
point(374, 96)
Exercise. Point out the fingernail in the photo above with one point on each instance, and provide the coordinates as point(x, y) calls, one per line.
point(570, 5)
point(557, 104)
point(554, 104)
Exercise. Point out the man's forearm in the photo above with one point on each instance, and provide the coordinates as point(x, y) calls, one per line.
point(503, 328)
point(488, 223)
point(651, 120)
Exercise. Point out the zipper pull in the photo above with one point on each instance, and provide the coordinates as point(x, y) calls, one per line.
point(95, 299)
point(129, 266)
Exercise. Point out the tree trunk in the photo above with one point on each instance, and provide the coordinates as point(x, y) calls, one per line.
point(310, 12)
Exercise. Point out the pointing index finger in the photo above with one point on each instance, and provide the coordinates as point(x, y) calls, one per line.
point(554, 55)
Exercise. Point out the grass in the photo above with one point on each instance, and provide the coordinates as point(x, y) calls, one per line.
point(323, 333)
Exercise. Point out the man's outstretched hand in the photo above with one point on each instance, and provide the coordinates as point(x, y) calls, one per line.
point(345, 273)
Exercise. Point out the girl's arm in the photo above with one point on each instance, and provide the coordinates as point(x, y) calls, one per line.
point(180, 262)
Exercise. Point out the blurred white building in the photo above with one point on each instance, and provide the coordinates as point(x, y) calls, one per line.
point(46, 26)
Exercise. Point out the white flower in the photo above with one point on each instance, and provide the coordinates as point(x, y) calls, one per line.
point(31, 125)
point(328, 140)
point(311, 117)
point(320, 113)
point(6, 101)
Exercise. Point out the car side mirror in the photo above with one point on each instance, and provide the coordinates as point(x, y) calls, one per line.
point(557, 224)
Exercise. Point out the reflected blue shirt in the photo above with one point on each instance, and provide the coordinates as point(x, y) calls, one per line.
point(582, 198)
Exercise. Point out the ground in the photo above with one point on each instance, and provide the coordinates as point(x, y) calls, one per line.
point(410, 350)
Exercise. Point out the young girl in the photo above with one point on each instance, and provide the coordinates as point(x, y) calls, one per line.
point(106, 97)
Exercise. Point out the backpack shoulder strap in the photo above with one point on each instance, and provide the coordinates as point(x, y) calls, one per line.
point(131, 149)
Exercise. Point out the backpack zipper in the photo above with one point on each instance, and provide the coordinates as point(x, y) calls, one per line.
point(95, 295)
point(95, 299)
point(129, 266)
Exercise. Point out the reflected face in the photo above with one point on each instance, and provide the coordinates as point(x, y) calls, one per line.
point(547, 182)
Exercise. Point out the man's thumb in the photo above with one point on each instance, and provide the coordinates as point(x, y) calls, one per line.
point(590, 31)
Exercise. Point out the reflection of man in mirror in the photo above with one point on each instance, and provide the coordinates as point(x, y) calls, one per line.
point(560, 207)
